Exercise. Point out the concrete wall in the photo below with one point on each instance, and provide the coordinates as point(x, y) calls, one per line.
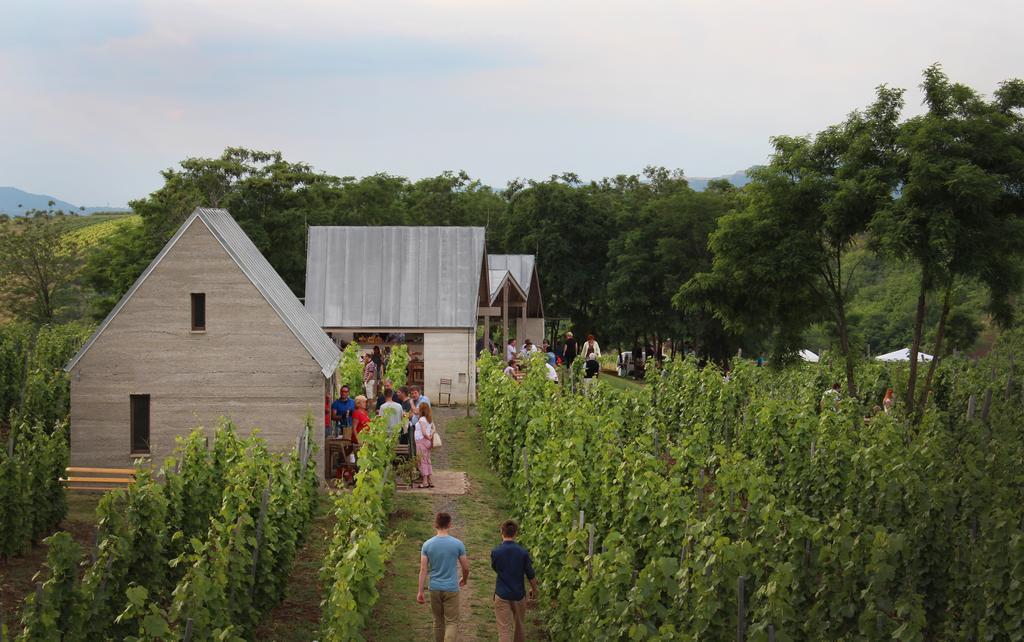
point(247, 365)
point(448, 355)
point(529, 328)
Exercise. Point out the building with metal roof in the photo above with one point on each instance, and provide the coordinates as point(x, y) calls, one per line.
point(427, 287)
point(209, 329)
point(395, 276)
point(515, 276)
point(419, 286)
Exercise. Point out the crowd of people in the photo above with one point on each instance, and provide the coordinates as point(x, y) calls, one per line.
point(405, 409)
point(563, 354)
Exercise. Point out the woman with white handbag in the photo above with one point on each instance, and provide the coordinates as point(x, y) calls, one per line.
point(427, 438)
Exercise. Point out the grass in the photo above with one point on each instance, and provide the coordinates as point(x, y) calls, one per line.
point(477, 516)
point(397, 616)
point(16, 574)
point(620, 383)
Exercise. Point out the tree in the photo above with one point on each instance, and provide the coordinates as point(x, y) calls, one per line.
point(662, 242)
point(568, 230)
point(38, 267)
point(779, 264)
point(960, 205)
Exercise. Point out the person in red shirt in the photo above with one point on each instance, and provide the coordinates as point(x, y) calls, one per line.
point(360, 418)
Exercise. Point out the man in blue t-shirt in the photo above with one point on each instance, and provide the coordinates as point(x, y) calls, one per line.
point(511, 562)
point(342, 409)
point(441, 555)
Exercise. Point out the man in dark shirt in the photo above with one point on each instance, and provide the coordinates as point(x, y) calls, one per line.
point(511, 562)
point(402, 397)
point(569, 350)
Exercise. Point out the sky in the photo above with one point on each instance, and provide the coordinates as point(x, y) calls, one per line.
point(98, 97)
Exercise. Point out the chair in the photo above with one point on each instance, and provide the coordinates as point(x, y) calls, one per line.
point(444, 389)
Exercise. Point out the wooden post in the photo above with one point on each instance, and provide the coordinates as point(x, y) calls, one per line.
point(581, 519)
point(700, 495)
point(771, 633)
point(971, 403)
point(741, 609)
point(1009, 387)
point(305, 449)
point(259, 537)
point(590, 552)
point(188, 631)
point(526, 468)
point(987, 405)
point(504, 321)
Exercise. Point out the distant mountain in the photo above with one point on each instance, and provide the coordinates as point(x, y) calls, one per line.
point(700, 183)
point(15, 202)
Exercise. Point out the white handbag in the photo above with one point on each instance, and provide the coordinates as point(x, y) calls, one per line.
point(435, 437)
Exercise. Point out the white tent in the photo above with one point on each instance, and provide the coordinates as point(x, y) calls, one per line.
point(903, 355)
point(809, 356)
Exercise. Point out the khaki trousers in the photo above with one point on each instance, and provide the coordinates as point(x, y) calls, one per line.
point(444, 606)
point(510, 615)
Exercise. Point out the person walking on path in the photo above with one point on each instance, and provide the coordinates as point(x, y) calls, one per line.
point(511, 562)
point(441, 555)
point(425, 442)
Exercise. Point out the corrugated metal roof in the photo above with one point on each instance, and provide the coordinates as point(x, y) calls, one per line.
point(497, 280)
point(394, 276)
point(255, 266)
point(520, 266)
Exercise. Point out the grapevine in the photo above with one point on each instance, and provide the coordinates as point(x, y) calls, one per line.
point(732, 504)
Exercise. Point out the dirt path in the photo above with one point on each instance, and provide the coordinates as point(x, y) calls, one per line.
point(476, 516)
point(297, 617)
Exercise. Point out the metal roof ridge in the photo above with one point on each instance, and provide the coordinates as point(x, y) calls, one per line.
point(206, 215)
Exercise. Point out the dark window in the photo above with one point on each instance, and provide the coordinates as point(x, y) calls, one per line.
point(140, 423)
point(198, 311)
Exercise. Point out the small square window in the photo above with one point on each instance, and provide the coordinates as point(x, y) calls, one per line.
point(198, 311)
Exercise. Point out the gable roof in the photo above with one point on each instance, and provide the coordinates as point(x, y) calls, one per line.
point(395, 276)
point(521, 266)
point(497, 281)
point(523, 270)
point(255, 266)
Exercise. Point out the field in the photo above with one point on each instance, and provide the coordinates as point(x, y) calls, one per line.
point(690, 506)
point(750, 507)
point(90, 230)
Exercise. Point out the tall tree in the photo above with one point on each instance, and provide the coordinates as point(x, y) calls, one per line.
point(39, 265)
point(779, 263)
point(568, 231)
point(662, 240)
point(961, 202)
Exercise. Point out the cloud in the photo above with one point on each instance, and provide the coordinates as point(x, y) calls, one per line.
point(119, 90)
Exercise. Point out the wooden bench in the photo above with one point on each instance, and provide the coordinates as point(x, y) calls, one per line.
point(97, 479)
